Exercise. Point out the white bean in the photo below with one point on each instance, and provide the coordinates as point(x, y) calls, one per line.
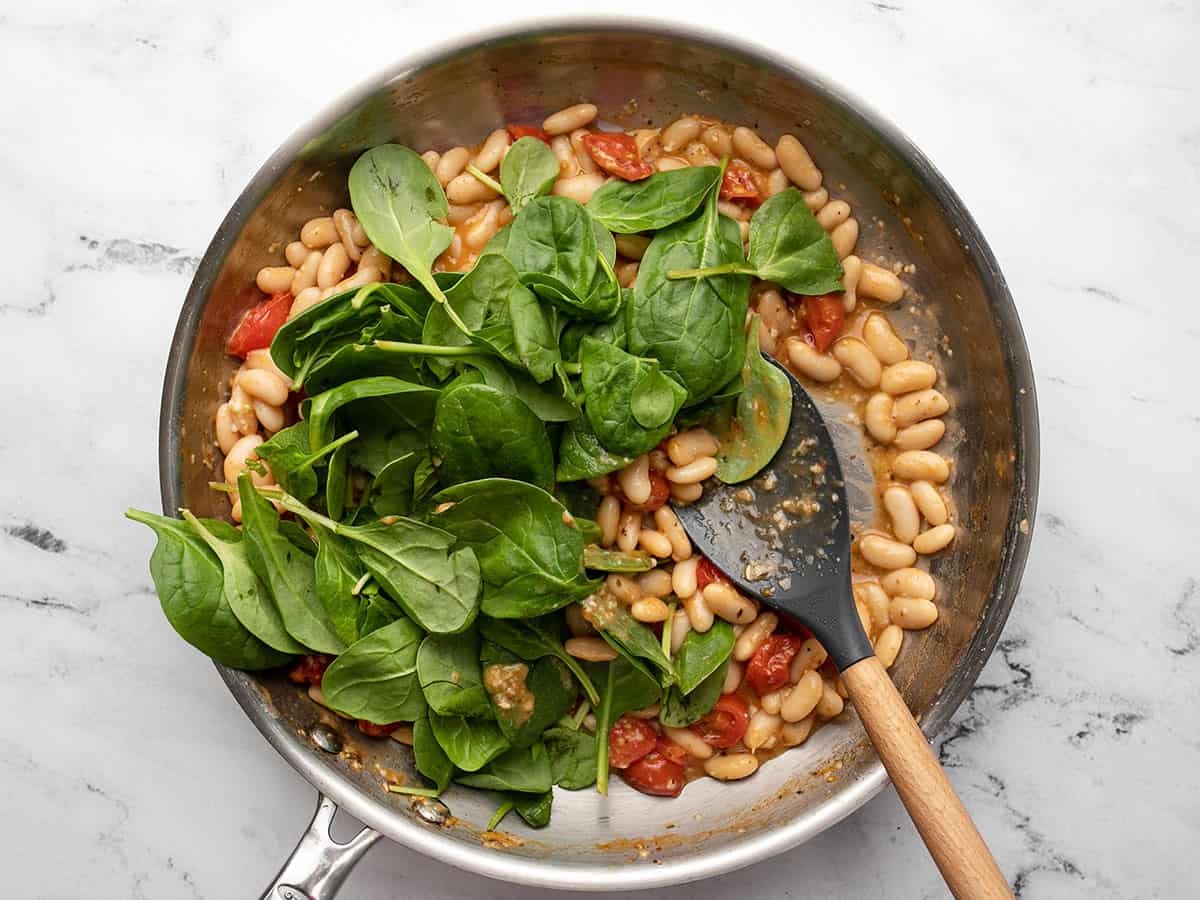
point(295, 253)
point(579, 187)
point(466, 188)
point(831, 702)
point(319, 233)
point(686, 446)
point(875, 599)
point(686, 493)
point(577, 622)
point(307, 298)
point(264, 385)
point(699, 613)
point(909, 583)
point(694, 472)
point(655, 543)
point(875, 283)
point(851, 266)
point(334, 264)
point(935, 539)
point(482, 226)
point(753, 149)
point(227, 433)
point(773, 701)
point(877, 416)
point(241, 408)
point(458, 214)
point(632, 246)
point(803, 698)
point(591, 649)
point(362, 275)
point(347, 226)
point(668, 523)
point(566, 120)
point(623, 587)
point(680, 133)
point(698, 154)
point(669, 164)
point(718, 139)
point(261, 359)
point(919, 406)
point(816, 200)
point(634, 480)
point(793, 734)
point(844, 238)
point(683, 578)
point(650, 609)
point(681, 627)
point(731, 766)
point(689, 741)
point(375, 257)
point(776, 183)
point(733, 676)
point(877, 331)
point(727, 603)
point(270, 417)
point(920, 465)
point(451, 165)
point(763, 730)
point(856, 357)
point(907, 376)
point(431, 158)
point(887, 645)
point(239, 453)
point(811, 656)
point(906, 521)
point(795, 160)
point(931, 505)
point(921, 436)
point(629, 530)
point(275, 279)
point(492, 151)
point(912, 613)
point(817, 366)
point(833, 214)
point(885, 553)
point(755, 634)
point(608, 518)
point(306, 273)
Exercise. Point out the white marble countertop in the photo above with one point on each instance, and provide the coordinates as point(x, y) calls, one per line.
point(1071, 130)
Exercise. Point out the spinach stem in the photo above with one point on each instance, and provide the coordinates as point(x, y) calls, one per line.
point(581, 676)
point(580, 714)
point(329, 448)
point(485, 179)
point(413, 791)
point(572, 368)
point(666, 634)
point(504, 810)
point(426, 349)
point(430, 284)
point(733, 268)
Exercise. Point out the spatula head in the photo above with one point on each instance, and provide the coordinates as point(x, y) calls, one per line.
point(784, 536)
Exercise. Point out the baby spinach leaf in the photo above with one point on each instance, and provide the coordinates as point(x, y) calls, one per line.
point(469, 743)
point(572, 757)
point(450, 675)
point(291, 530)
point(397, 199)
point(693, 327)
point(534, 808)
point(526, 699)
point(553, 239)
point(663, 199)
point(601, 560)
point(529, 555)
point(701, 654)
point(528, 171)
point(630, 402)
point(519, 330)
point(409, 403)
point(338, 484)
point(431, 759)
point(287, 573)
point(764, 410)
point(680, 710)
point(376, 677)
point(522, 769)
point(624, 685)
point(532, 639)
point(625, 633)
point(391, 493)
point(492, 279)
point(191, 591)
point(479, 431)
point(352, 361)
point(611, 331)
point(291, 457)
point(337, 574)
point(581, 455)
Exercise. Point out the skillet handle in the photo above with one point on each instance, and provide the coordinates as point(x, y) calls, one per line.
point(945, 826)
point(319, 865)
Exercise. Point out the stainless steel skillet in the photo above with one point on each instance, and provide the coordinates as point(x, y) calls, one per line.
point(639, 73)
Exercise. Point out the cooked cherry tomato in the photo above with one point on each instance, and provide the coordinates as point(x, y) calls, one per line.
point(725, 725)
point(310, 669)
point(707, 573)
point(516, 132)
point(768, 668)
point(739, 184)
point(660, 490)
point(824, 316)
point(629, 740)
point(258, 325)
point(672, 751)
point(370, 729)
point(656, 774)
point(618, 155)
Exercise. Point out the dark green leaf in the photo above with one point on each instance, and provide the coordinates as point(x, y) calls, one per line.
point(663, 199)
point(581, 455)
point(623, 392)
point(534, 808)
point(522, 769)
point(625, 633)
point(679, 711)
point(526, 698)
point(528, 170)
point(572, 757)
point(624, 685)
point(469, 743)
point(450, 675)
point(789, 247)
point(376, 677)
point(531, 639)
point(338, 574)
point(400, 401)
point(602, 560)
point(701, 654)
point(431, 759)
point(479, 431)
point(553, 238)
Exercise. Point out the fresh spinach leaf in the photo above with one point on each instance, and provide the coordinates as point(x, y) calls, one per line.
point(520, 331)
point(532, 639)
point(528, 171)
point(663, 199)
point(553, 239)
point(401, 400)
point(701, 654)
point(530, 556)
point(522, 769)
point(450, 675)
point(526, 698)
point(391, 492)
point(376, 677)
point(190, 584)
point(338, 484)
point(601, 560)
point(534, 808)
point(479, 431)
point(630, 402)
point(611, 331)
point(492, 279)
point(469, 743)
point(581, 455)
point(624, 685)
point(290, 529)
point(291, 458)
point(680, 710)
point(625, 633)
point(572, 757)
point(431, 759)
point(353, 612)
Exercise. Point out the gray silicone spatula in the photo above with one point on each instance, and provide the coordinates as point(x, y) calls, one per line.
point(790, 548)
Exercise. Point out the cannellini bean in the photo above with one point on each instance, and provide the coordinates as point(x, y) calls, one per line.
point(644, 138)
point(375, 257)
point(877, 331)
point(817, 366)
point(919, 406)
point(347, 225)
point(885, 553)
point(270, 417)
point(492, 151)
point(912, 613)
point(906, 521)
point(773, 701)
point(793, 734)
point(569, 119)
point(686, 493)
point(577, 622)
point(833, 214)
point(363, 275)
point(319, 233)
point(936, 538)
point(887, 645)
point(831, 703)
point(680, 133)
point(241, 408)
point(482, 227)
point(632, 246)
point(932, 507)
point(451, 165)
point(816, 200)
point(647, 712)
point(655, 543)
point(851, 266)
point(753, 149)
point(776, 183)
point(734, 674)
point(877, 416)
point(275, 279)
point(686, 446)
point(580, 187)
point(698, 154)
point(466, 188)
point(681, 627)
point(683, 578)
point(731, 766)
point(306, 274)
point(921, 436)
point(239, 453)
point(608, 518)
point(334, 264)
point(431, 158)
point(698, 611)
point(227, 434)
point(629, 530)
point(795, 160)
point(601, 484)
point(669, 164)
point(689, 741)
point(864, 617)
point(564, 150)
point(763, 730)
point(811, 656)
point(650, 609)
point(718, 139)
point(875, 599)
point(623, 588)
point(752, 638)
point(626, 273)
point(728, 208)
point(907, 376)
point(458, 214)
point(857, 359)
point(403, 735)
point(844, 238)
point(295, 253)
point(909, 583)
point(261, 359)
point(694, 472)
point(920, 465)
point(727, 603)
point(668, 523)
point(803, 698)
point(774, 311)
point(591, 649)
point(876, 283)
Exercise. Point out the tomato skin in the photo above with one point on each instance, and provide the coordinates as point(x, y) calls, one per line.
point(707, 573)
point(660, 491)
point(768, 668)
point(629, 740)
point(370, 729)
point(739, 184)
point(516, 132)
point(310, 669)
point(725, 725)
point(657, 775)
point(259, 324)
point(618, 155)
point(672, 751)
point(824, 316)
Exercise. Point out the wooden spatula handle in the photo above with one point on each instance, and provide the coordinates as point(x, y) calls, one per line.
point(945, 826)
